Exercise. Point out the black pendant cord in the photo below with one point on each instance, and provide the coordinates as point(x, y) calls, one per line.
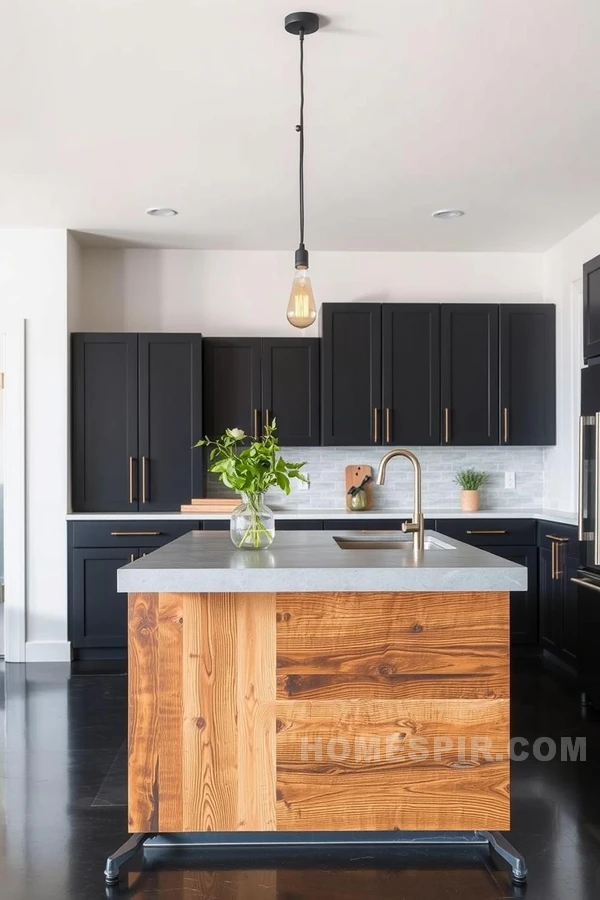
point(300, 128)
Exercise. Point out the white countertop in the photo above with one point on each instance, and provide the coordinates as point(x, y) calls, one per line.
point(549, 515)
point(204, 561)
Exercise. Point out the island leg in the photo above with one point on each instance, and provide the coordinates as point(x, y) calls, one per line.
point(506, 850)
point(120, 856)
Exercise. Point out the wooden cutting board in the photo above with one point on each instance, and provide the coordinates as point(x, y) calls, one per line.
point(354, 476)
point(208, 505)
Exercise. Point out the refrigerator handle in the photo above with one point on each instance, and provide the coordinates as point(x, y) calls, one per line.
point(597, 491)
point(580, 480)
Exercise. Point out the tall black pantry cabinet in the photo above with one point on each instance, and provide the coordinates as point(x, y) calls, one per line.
point(137, 411)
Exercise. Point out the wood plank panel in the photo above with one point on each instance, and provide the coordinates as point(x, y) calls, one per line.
point(143, 690)
point(170, 710)
point(421, 685)
point(209, 713)
point(446, 645)
point(375, 765)
point(256, 677)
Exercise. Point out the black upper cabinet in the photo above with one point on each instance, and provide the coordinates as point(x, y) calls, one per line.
point(411, 373)
point(527, 374)
point(170, 420)
point(290, 389)
point(469, 374)
point(250, 381)
point(351, 374)
point(591, 308)
point(232, 385)
point(104, 371)
point(137, 410)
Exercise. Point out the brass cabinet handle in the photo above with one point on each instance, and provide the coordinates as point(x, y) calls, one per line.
point(487, 531)
point(597, 476)
point(256, 435)
point(586, 584)
point(267, 417)
point(144, 480)
point(580, 480)
point(553, 561)
point(505, 416)
point(135, 533)
point(447, 425)
point(131, 479)
point(375, 425)
point(388, 425)
point(132, 557)
point(556, 547)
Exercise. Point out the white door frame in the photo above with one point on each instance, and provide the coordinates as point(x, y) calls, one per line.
point(15, 581)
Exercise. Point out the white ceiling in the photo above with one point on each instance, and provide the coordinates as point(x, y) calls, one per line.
point(110, 106)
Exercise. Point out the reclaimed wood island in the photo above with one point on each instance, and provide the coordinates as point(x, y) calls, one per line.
point(316, 688)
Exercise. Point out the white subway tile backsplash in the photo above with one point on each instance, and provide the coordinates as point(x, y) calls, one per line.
point(325, 467)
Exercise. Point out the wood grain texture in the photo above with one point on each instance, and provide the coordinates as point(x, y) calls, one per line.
point(256, 655)
point(170, 710)
point(143, 692)
point(210, 734)
point(380, 645)
point(422, 764)
point(226, 690)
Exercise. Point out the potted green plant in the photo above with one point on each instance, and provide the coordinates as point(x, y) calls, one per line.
point(250, 470)
point(470, 481)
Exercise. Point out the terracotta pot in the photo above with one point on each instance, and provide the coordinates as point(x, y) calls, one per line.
point(469, 501)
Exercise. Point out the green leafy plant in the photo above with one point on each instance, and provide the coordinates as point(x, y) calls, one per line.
point(251, 469)
point(470, 479)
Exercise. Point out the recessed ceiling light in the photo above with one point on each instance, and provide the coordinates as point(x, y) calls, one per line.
point(161, 211)
point(448, 213)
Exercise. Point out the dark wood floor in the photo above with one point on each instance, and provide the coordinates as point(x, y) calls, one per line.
point(62, 810)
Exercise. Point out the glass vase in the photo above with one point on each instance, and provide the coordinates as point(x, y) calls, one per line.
point(252, 525)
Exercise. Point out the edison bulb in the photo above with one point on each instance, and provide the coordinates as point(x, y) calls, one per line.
point(301, 311)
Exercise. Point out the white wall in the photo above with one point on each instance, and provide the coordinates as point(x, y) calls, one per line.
point(563, 286)
point(33, 285)
point(245, 293)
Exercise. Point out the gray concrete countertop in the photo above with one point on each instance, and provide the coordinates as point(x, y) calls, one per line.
point(312, 561)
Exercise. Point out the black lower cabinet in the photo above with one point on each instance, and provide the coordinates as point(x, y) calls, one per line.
point(97, 550)
point(280, 525)
point(558, 605)
point(523, 604)
point(99, 612)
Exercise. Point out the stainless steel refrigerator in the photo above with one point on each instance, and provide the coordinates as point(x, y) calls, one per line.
point(588, 576)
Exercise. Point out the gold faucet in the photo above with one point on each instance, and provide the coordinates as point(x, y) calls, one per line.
point(416, 527)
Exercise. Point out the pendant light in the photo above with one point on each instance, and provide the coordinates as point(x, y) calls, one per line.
point(301, 311)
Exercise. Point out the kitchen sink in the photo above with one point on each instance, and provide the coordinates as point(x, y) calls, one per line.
point(383, 542)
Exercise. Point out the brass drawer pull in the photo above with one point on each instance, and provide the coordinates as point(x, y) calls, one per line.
point(256, 434)
point(487, 531)
point(388, 425)
point(556, 537)
point(447, 425)
point(375, 425)
point(132, 557)
point(505, 414)
point(135, 533)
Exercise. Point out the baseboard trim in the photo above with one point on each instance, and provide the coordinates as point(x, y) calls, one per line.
point(47, 651)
